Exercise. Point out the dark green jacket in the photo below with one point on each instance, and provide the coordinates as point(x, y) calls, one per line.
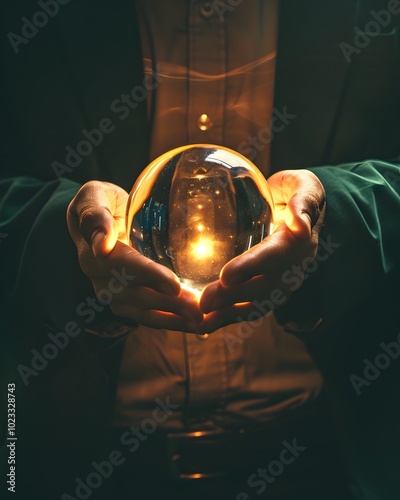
point(347, 129)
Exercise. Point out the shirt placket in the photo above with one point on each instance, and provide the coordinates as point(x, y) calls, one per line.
point(206, 355)
point(207, 73)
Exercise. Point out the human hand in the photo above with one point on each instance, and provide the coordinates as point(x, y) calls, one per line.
point(151, 294)
point(257, 281)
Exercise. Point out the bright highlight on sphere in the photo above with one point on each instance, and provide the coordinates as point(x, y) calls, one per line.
point(202, 249)
point(195, 208)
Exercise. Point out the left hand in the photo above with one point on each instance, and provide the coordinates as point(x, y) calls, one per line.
point(150, 293)
point(257, 281)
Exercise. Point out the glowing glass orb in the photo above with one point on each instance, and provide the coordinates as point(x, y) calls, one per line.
point(195, 208)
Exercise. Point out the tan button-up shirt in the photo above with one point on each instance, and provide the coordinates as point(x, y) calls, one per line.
point(216, 63)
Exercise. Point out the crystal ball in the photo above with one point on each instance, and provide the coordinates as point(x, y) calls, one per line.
point(196, 207)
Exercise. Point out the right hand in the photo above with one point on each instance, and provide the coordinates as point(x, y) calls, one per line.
point(153, 295)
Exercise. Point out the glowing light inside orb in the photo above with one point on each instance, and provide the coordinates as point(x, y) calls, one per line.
point(203, 248)
point(195, 208)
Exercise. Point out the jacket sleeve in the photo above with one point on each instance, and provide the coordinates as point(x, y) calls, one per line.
point(40, 270)
point(359, 243)
point(357, 345)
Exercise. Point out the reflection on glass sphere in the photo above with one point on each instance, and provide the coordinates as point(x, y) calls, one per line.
point(195, 208)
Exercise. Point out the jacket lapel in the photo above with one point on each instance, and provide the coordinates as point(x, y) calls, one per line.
point(311, 77)
point(105, 63)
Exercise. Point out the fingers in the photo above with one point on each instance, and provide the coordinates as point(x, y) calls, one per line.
point(97, 214)
point(144, 290)
point(158, 319)
point(299, 200)
point(209, 297)
point(154, 298)
point(124, 258)
point(133, 286)
point(229, 315)
point(258, 288)
point(96, 218)
point(270, 257)
point(266, 273)
point(143, 298)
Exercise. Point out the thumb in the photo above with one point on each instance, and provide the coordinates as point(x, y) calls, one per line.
point(297, 217)
point(304, 214)
point(305, 202)
point(93, 210)
point(103, 241)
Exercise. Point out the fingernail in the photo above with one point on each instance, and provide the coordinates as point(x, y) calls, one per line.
point(97, 240)
point(308, 222)
point(231, 280)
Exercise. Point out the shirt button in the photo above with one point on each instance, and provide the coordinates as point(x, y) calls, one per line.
point(206, 9)
point(204, 122)
point(203, 337)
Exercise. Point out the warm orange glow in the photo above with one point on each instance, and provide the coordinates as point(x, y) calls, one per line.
point(203, 248)
point(200, 220)
point(195, 291)
point(204, 122)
